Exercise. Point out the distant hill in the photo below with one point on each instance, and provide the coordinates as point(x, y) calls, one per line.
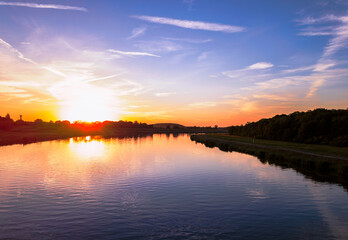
point(168, 125)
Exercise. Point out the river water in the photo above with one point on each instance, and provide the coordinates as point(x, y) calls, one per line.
point(159, 187)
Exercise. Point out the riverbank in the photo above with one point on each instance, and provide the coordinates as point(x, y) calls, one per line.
point(26, 135)
point(306, 149)
point(319, 162)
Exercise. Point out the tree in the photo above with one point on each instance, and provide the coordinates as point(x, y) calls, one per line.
point(320, 126)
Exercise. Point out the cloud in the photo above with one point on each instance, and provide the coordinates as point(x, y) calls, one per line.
point(10, 89)
point(339, 41)
point(14, 50)
point(317, 31)
point(274, 97)
point(54, 71)
point(311, 20)
point(202, 56)
point(300, 86)
point(339, 32)
point(260, 65)
point(48, 6)
point(158, 46)
point(192, 24)
point(22, 57)
point(277, 87)
point(314, 87)
point(238, 104)
point(132, 54)
point(281, 82)
point(189, 40)
point(103, 78)
point(319, 67)
point(137, 32)
point(252, 72)
point(309, 33)
point(20, 84)
point(93, 72)
point(203, 104)
point(164, 94)
point(338, 28)
point(299, 69)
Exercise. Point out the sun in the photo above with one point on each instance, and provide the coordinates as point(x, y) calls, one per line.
point(88, 104)
point(87, 110)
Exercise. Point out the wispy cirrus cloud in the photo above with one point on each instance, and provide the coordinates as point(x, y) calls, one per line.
point(38, 5)
point(198, 25)
point(205, 104)
point(303, 82)
point(164, 94)
point(260, 65)
point(137, 32)
point(103, 78)
point(14, 50)
point(319, 67)
point(133, 54)
point(159, 46)
point(311, 20)
point(317, 31)
point(340, 40)
point(315, 86)
point(21, 56)
point(203, 56)
point(254, 71)
point(339, 31)
point(332, 25)
point(189, 40)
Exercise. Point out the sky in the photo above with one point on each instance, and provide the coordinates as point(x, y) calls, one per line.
point(193, 62)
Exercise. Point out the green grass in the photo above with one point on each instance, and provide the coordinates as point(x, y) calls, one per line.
point(311, 148)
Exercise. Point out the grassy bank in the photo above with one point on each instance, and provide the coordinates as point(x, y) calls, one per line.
point(318, 162)
point(341, 152)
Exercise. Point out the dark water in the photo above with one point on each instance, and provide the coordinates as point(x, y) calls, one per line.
point(159, 187)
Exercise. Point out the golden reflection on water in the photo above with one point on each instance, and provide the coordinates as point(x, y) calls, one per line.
point(82, 162)
point(95, 170)
point(88, 148)
point(91, 156)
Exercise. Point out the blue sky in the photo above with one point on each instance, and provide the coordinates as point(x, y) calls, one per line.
point(193, 62)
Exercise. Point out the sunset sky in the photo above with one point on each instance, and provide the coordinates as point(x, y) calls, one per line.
point(193, 62)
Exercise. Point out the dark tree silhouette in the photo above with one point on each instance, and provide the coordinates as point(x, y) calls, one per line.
point(320, 126)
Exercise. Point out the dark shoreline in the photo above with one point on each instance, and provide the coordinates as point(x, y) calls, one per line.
point(313, 166)
point(20, 137)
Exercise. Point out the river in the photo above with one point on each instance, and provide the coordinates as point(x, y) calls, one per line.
point(159, 187)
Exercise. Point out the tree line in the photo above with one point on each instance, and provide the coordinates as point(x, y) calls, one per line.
point(319, 126)
point(7, 123)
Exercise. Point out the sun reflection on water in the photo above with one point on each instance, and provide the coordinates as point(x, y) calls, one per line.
point(88, 148)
